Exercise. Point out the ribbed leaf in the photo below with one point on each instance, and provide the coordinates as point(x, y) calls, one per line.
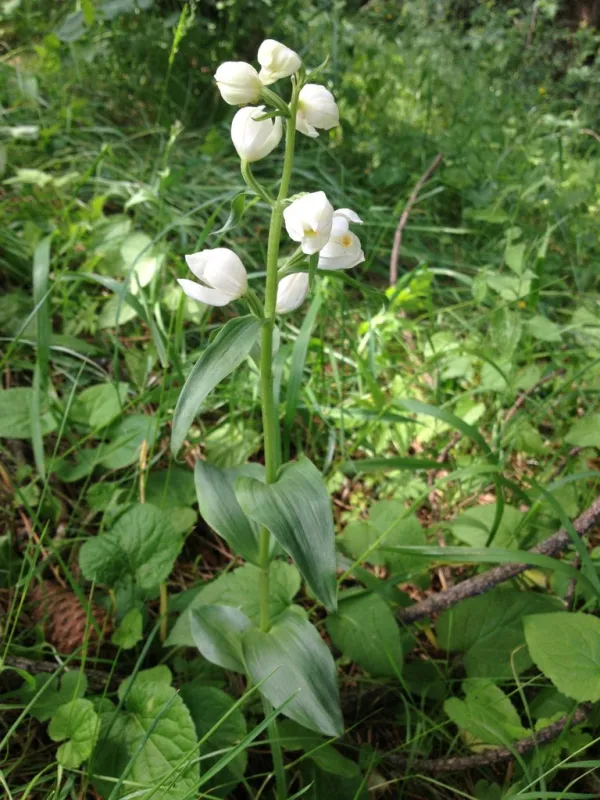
point(229, 348)
point(297, 511)
point(294, 662)
point(217, 632)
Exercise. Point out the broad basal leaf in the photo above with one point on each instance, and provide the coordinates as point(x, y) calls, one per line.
point(365, 630)
point(229, 348)
point(217, 632)
point(15, 414)
point(220, 508)
point(57, 690)
point(486, 713)
point(475, 525)
point(566, 648)
point(151, 744)
point(130, 629)
point(78, 722)
point(297, 511)
point(97, 406)
point(299, 667)
point(239, 589)
point(212, 708)
point(489, 628)
point(141, 546)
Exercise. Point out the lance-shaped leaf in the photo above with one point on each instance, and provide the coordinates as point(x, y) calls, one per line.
point(217, 633)
point(297, 511)
point(294, 662)
point(219, 506)
point(229, 348)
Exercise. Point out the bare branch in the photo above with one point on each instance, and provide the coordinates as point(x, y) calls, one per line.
point(479, 584)
point(498, 754)
point(405, 214)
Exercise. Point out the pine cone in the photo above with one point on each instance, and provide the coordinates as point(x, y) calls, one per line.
point(65, 619)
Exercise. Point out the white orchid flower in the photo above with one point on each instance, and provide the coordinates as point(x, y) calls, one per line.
point(316, 109)
point(343, 250)
point(291, 292)
point(277, 61)
point(308, 220)
point(254, 138)
point(222, 274)
point(238, 83)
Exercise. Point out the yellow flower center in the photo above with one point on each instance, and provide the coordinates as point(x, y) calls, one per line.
point(346, 240)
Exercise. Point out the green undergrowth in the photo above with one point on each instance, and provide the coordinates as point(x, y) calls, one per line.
point(456, 409)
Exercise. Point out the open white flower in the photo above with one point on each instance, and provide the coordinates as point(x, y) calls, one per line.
point(238, 83)
point(308, 221)
point(343, 249)
point(277, 61)
point(291, 292)
point(253, 138)
point(222, 274)
point(316, 109)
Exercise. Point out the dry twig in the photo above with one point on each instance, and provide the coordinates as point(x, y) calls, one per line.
point(479, 584)
point(405, 214)
point(498, 754)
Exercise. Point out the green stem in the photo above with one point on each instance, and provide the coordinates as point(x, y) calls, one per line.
point(269, 412)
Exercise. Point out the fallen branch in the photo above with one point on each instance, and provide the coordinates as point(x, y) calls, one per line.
point(498, 754)
point(479, 584)
point(405, 214)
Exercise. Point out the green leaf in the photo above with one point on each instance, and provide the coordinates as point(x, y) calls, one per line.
point(566, 648)
point(130, 631)
point(297, 511)
point(474, 526)
point(238, 206)
point(209, 707)
point(151, 743)
point(78, 722)
point(294, 737)
point(15, 414)
point(141, 546)
point(486, 713)
point(127, 437)
point(296, 663)
point(239, 589)
point(56, 692)
point(297, 362)
point(388, 526)
point(97, 406)
point(489, 629)
point(544, 329)
point(171, 488)
point(365, 631)
point(41, 300)
point(229, 348)
point(584, 433)
point(220, 508)
point(217, 632)
point(514, 255)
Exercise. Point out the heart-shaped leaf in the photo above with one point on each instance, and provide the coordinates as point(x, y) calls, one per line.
point(78, 722)
point(297, 511)
point(229, 348)
point(294, 662)
point(142, 545)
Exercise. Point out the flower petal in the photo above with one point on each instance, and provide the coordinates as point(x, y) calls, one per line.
point(348, 214)
point(212, 297)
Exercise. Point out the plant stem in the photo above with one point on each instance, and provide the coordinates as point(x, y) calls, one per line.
point(269, 412)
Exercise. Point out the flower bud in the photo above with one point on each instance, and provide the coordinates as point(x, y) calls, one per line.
point(308, 220)
point(238, 83)
point(291, 292)
point(277, 61)
point(222, 274)
point(343, 249)
point(252, 138)
point(316, 109)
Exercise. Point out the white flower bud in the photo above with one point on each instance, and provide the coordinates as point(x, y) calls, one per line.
point(254, 139)
point(238, 83)
point(222, 274)
point(291, 292)
point(277, 61)
point(308, 220)
point(343, 249)
point(316, 109)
